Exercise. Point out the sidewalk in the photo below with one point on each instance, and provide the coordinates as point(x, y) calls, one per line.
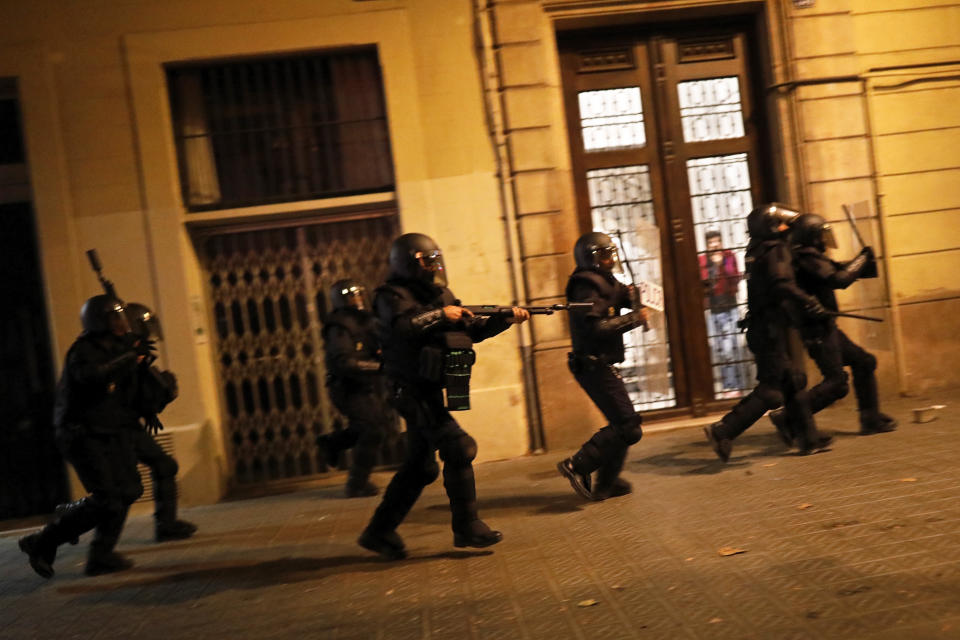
point(859, 542)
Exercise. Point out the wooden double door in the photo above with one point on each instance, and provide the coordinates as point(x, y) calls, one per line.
point(666, 143)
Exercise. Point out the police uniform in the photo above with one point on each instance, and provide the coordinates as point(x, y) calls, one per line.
point(156, 389)
point(356, 388)
point(95, 417)
point(597, 342)
point(426, 359)
point(828, 346)
point(774, 303)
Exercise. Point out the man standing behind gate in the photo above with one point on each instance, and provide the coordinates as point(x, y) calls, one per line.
point(597, 338)
point(426, 338)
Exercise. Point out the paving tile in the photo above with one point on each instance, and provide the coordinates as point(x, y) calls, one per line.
point(869, 556)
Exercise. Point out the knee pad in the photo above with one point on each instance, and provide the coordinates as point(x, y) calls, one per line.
point(106, 504)
point(131, 495)
point(868, 362)
point(458, 450)
point(838, 385)
point(166, 467)
point(794, 380)
point(771, 398)
point(430, 471)
point(630, 430)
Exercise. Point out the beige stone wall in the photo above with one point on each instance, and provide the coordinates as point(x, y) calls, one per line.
point(889, 142)
point(103, 168)
point(887, 152)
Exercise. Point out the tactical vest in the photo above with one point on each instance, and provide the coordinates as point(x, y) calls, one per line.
point(361, 326)
point(812, 267)
point(585, 338)
point(437, 359)
point(764, 261)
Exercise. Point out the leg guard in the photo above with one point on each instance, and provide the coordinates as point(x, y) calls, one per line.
point(608, 473)
point(457, 452)
point(751, 408)
point(403, 491)
point(365, 454)
point(863, 365)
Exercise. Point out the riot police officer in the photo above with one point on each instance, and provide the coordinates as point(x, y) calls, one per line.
point(95, 417)
point(355, 383)
point(156, 389)
point(830, 347)
point(426, 337)
point(774, 304)
point(597, 340)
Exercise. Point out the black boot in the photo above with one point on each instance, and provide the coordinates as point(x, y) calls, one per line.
point(821, 443)
point(722, 446)
point(363, 489)
point(619, 487)
point(579, 481)
point(475, 534)
point(41, 551)
point(876, 423)
point(388, 544)
point(176, 530)
point(103, 562)
point(608, 483)
point(329, 451)
point(61, 509)
point(779, 419)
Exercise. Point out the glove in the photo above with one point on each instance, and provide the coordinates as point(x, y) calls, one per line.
point(870, 269)
point(145, 348)
point(154, 426)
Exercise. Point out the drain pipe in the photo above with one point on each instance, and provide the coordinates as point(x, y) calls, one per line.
point(485, 43)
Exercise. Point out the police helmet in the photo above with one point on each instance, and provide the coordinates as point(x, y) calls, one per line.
point(104, 314)
point(596, 250)
point(415, 256)
point(811, 230)
point(763, 223)
point(143, 321)
point(347, 293)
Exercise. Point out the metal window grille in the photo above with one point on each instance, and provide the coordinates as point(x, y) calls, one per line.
point(279, 129)
point(268, 293)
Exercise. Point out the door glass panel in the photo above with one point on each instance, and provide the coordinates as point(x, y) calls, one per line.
point(621, 205)
point(720, 199)
point(612, 119)
point(710, 109)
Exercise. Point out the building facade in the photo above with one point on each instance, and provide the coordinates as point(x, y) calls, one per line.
point(230, 160)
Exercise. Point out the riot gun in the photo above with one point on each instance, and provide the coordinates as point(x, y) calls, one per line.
point(857, 316)
point(98, 268)
point(495, 310)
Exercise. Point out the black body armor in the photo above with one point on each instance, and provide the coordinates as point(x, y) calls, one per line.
point(420, 347)
point(599, 332)
point(352, 344)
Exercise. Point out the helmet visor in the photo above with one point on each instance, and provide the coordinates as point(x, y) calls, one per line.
point(353, 296)
point(607, 259)
point(782, 214)
point(827, 237)
point(117, 321)
point(151, 326)
point(431, 262)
